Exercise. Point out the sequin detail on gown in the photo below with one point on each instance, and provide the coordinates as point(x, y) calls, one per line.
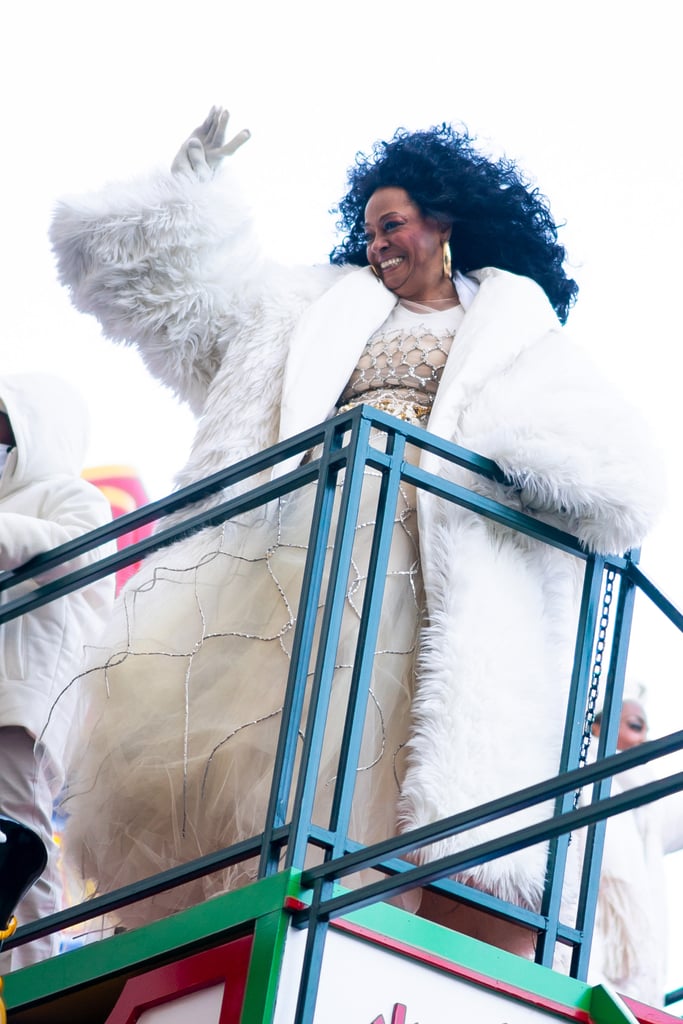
point(175, 753)
point(400, 369)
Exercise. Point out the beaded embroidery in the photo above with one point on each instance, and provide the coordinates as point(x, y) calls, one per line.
point(400, 369)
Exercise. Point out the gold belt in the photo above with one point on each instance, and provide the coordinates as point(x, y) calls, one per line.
point(406, 409)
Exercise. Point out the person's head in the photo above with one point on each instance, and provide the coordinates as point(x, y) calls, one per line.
point(496, 218)
point(632, 725)
point(406, 248)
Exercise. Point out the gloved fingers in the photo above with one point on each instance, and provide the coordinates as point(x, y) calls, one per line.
point(196, 156)
point(234, 144)
point(215, 126)
point(202, 152)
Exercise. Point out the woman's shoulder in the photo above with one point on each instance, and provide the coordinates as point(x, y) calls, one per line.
point(490, 278)
point(514, 298)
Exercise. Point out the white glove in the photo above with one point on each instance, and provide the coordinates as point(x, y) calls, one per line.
point(202, 152)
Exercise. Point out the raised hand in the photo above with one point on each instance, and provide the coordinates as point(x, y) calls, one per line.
point(203, 151)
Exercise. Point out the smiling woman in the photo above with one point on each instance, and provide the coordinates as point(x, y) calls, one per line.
point(487, 209)
point(407, 251)
point(182, 709)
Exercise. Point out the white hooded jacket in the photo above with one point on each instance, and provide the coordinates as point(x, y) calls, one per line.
point(44, 502)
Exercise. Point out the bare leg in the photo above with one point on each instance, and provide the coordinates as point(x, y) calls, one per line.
point(478, 925)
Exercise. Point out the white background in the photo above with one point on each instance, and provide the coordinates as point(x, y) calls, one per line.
point(586, 96)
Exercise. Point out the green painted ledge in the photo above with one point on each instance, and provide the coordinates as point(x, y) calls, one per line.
point(607, 1008)
point(71, 980)
point(507, 970)
point(473, 955)
point(83, 984)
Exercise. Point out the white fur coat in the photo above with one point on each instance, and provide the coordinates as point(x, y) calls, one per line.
point(171, 265)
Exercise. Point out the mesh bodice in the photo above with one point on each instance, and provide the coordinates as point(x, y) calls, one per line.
point(401, 367)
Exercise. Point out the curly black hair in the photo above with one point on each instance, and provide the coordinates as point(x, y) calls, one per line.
point(499, 219)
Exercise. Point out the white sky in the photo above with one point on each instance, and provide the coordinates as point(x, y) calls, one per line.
point(586, 96)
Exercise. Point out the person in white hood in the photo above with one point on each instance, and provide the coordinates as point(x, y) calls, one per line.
point(44, 502)
point(629, 950)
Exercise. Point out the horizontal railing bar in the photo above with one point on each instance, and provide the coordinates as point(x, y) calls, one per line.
point(323, 838)
point(364, 857)
point(236, 473)
point(494, 510)
point(673, 997)
point(511, 803)
point(133, 552)
point(482, 853)
point(240, 504)
point(637, 576)
point(136, 891)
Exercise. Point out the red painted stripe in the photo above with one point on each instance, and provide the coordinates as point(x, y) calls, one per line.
point(228, 963)
point(645, 1014)
point(483, 980)
point(291, 903)
point(648, 1014)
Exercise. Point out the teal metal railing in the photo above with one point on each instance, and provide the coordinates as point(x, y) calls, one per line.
point(341, 449)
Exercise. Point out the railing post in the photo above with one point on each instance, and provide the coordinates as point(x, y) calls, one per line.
point(288, 739)
point(329, 636)
point(365, 646)
point(609, 728)
point(569, 757)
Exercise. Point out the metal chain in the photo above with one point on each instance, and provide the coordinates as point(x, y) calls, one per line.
point(594, 687)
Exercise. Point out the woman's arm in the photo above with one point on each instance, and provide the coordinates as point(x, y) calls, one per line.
point(72, 509)
point(164, 263)
point(577, 452)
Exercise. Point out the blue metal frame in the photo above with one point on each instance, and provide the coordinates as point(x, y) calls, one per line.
point(346, 445)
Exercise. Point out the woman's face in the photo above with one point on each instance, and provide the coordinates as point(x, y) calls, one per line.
point(405, 248)
point(632, 725)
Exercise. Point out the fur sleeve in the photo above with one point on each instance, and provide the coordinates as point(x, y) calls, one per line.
point(162, 264)
point(578, 454)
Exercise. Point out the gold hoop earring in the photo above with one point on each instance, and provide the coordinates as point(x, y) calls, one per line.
point(373, 270)
point(447, 264)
